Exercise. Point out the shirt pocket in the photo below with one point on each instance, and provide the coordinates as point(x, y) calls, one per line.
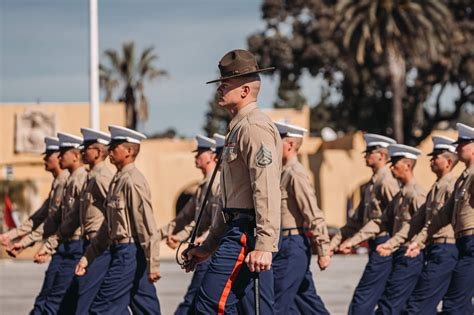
point(230, 153)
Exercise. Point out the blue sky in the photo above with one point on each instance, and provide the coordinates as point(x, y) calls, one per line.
point(44, 51)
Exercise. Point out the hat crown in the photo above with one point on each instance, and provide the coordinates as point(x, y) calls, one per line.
point(205, 143)
point(90, 134)
point(238, 61)
point(443, 143)
point(372, 139)
point(219, 139)
point(125, 134)
point(405, 151)
point(67, 140)
point(465, 132)
point(288, 130)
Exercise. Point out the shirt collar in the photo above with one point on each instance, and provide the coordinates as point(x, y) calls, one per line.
point(241, 114)
point(380, 173)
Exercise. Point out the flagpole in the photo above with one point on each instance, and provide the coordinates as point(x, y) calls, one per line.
point(94, 64)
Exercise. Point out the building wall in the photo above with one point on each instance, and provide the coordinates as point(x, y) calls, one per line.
point(338, 167)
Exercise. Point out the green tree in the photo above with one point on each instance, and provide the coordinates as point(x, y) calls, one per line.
point(309, 36)
point(131, 74)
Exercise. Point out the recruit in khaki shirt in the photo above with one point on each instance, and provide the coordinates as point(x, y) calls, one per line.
point(437, 197)
point(129, 217)
point(69, 206)
point(376, 195)
point(34, 224)
point(250, 176)
point(398, 213)
point(184, 223)
point(299, 207)
point(458, 210)
point(91, 212)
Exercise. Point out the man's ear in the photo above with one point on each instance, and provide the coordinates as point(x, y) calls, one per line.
point(245, 91)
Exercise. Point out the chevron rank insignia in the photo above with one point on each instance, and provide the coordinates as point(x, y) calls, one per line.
point(264, 156)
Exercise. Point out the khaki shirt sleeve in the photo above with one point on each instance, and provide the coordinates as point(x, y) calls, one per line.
point(374, 226)
point(313, 216)
point(216, 231)
point(408, 231)
point(439, 220)
point(257, 142)
point(353, 224)
point(46, 229)
point(138, 200)
point(184, 217)
point(31, 223)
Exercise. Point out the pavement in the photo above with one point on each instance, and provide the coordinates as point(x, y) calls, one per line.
point(20, 281)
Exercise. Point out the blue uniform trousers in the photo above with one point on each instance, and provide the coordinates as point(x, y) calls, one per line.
point(84, 289)
point(126, 283)
point(228, 286)
point(372, 283)
point(187, 307)
point(434, 279)
point(292, 278)
point(58, 278)
point(458, 299)
point(401, 282)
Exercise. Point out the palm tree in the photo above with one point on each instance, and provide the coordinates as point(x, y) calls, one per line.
point(132, 75)
point(395, 31)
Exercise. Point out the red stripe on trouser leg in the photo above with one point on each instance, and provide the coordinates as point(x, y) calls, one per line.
point(233, 275)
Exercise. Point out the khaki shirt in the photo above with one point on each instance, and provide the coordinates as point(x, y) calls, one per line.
point(33, 226)
point(458, 210)
point(129, 216)
point(437, 197)
point(91, 212)
point(299, 207)
point(57, 223)
point(376, 195)
point(184, 223)
point(398, 213)
point(250, 178)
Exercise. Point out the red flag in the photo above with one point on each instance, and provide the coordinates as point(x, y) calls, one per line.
point(7, 213)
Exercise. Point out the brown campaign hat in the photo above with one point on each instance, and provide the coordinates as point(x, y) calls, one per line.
point(236, 63)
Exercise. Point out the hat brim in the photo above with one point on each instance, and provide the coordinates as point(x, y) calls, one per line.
point(241, 75)
point(462, 141)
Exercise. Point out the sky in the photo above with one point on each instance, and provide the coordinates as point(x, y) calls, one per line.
point(44, 52)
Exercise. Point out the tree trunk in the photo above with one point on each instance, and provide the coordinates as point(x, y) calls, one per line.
point(396, 66)
point(130, 110)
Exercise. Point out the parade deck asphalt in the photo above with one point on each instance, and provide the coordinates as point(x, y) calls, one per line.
point(20, 281)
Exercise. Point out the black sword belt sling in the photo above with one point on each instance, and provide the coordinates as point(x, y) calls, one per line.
point(180, 255)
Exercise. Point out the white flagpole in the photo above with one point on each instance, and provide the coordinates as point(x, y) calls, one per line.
point(94, 64)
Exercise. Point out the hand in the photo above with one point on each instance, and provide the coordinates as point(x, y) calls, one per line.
point(172, 241)
point(324, 261)
point(153, 277)
point(41, 257)
point(194, 256)
point(15, 249)
point(199, 240)
point(384, 250)
point(81, 267)
point(259, 260)
point(413, 250)
point(346, 247)
point(4, 239)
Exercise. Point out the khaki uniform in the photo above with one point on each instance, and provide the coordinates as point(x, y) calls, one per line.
point(458, 210)
point(437, 197)
point(91, 212)
point(35, 222)
point(250, 178)
point(376, 195)
point(299, 207)
point(129, 217)
point(398, 213)
point(184, 223)
point(57, 222)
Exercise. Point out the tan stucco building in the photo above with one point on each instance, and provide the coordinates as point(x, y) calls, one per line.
point(168, 164)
